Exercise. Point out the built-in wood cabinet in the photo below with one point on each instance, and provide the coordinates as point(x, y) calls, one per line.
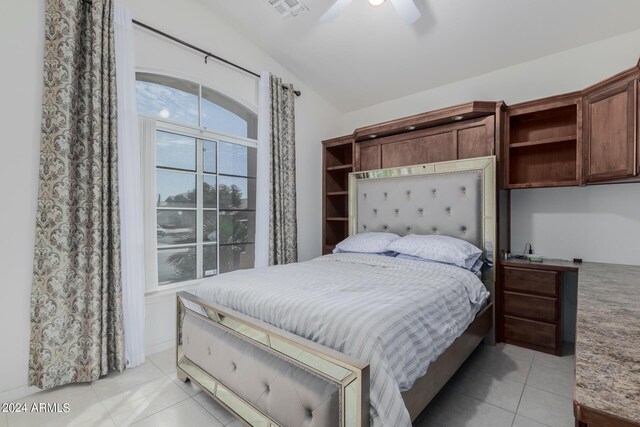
point(610, 131)
point(580, 138)
point(543, 143)
point(338, 162)
point(461, 139)
point(369, 157)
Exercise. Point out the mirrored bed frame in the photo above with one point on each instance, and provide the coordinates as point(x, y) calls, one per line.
point(316, 385)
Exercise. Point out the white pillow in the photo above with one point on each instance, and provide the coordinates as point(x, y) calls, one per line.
point(373, 242)
point(476, 269)
point(438, 248)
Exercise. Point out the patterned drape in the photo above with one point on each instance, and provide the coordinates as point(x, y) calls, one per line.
point(283, 227)
point(76, 301)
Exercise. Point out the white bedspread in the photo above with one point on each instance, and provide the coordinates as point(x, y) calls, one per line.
point(398, 315)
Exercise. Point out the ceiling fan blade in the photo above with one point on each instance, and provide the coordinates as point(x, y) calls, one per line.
point(407, 10)
point(334, 10)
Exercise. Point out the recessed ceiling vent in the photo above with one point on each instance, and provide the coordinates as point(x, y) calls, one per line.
point(288, 8)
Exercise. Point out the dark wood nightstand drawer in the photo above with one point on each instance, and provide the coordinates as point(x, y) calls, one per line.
point(544, 309)
point(537, 282)
point(537, 334)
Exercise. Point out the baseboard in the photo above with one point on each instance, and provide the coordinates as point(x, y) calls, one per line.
point(157, 348)
point(17, 393)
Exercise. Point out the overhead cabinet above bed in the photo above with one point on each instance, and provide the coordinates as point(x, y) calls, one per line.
point(460, 132)
point(461, 140)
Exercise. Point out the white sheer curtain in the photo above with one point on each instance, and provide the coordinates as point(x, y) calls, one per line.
point(262, 172)
point(131, 197)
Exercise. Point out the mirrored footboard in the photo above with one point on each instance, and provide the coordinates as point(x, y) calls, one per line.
point(264, 375)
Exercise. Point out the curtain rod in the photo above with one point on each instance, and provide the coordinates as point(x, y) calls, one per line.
point(206, 54)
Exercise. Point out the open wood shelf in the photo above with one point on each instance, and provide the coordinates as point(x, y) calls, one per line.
point(544, 141)
point(339, 155)
point(341, 167)
point(544, 145)
point(338, 163)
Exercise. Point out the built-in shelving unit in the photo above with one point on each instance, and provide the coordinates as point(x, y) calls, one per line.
point(338, 162)
point(543, 146)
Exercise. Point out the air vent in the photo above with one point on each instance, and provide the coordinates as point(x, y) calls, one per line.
point(288, 8)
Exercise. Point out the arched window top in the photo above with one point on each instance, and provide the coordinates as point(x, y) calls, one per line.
point(185, 102)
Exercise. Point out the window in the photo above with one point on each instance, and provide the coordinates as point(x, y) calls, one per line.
point(180, 101)
point(203, 192)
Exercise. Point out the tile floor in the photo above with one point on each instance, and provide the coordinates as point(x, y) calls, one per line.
point(498, 386)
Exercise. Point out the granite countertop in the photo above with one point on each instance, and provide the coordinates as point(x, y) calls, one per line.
point(608, 339)
point(607, 335)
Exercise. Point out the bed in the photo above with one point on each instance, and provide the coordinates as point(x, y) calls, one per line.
point(351, 339)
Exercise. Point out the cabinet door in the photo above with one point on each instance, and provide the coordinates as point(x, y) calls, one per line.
point(476, 140)
point(433, 148)
point(610, 133)
point(369, 158)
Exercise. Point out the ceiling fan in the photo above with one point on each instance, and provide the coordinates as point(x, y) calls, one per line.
point(405, 8)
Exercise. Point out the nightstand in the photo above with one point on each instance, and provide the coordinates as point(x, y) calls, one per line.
point(530, 313)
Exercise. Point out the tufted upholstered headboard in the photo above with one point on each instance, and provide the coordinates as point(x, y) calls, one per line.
point(450, 198)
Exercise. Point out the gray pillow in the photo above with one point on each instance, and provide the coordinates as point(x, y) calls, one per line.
point(368, 243)
point(438, 248)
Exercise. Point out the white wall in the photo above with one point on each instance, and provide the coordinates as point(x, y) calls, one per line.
point(21, 44)
point(597, 223)
point(20, 113)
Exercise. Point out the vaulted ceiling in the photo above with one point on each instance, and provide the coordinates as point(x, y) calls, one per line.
point(369, 55)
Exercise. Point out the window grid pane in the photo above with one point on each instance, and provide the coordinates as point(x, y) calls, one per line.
point(175, 151)
point(175, 189)
point(176, 227)
point(176, 265)
point(168, 98)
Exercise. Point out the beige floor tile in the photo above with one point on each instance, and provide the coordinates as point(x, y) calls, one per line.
point(85, 408)
point(144, 400)
point(214, 408)
point(566, 362)
point(512, 350)
point(103, 422)
point(166, 362)
point(521, 421)
point(187, 387)
point(184, 414)
point(547, 408)
point(502, 360)
point(116, 383)
point(451, 409)
point(559, 381)
point(487, 387)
